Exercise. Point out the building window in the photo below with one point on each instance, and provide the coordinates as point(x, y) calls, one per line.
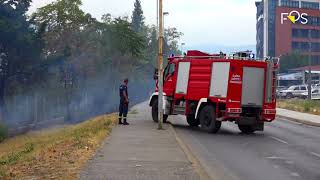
point(313, 21)
point(290, 3)
point(315, 59)
point(315, 47)
point(304, 33)
point(300, 33)
point(315, 34)
point(301, 46)
point(310, 5)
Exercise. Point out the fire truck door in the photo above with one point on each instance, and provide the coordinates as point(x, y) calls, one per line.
point(183, 78)
point(219, 79)
point(169, 74)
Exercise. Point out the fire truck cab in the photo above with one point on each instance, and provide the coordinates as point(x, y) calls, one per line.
point(209, 89)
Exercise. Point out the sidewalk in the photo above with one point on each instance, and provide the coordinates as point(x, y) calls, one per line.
point(141, 152)
point(304, 118)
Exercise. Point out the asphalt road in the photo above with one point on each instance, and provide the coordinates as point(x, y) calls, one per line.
point(284, 151)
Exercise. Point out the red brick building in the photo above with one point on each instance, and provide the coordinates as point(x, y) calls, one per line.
point(302, 36)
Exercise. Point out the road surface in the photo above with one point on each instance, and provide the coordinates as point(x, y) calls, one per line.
point(284, 151)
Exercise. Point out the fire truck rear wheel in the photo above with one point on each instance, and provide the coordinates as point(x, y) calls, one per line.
point(155, 112)
point(192, 121)
point(208, 120)
point(246, 129)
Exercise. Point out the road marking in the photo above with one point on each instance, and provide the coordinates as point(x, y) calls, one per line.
point(279, 140)
point(275, 157)
point(315, 154)
point(294, 174)
point(289, 162)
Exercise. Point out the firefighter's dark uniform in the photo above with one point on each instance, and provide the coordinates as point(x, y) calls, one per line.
point(123, 107)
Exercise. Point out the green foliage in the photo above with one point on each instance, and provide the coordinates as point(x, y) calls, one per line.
point(63, 21)
point(3, 132)
point(172, 35)
point(125, 39)
point(293, 60)
point(137, 17)
point(20, 46)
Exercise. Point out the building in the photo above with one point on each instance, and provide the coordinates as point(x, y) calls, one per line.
point(299, 76)
point(287, 26)
point(260, 28)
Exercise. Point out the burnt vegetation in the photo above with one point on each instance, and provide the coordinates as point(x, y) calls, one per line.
point(61, 65)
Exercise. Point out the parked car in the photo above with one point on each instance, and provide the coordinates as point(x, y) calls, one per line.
point(316, 86)
point(279, 89)
point(294, 91)
point(315, 94)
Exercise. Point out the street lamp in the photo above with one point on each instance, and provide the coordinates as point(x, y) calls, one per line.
point(182, 44)
point(160, 67)
point(309, 68)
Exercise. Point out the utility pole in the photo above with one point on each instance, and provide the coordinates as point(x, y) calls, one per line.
point(157, 19)
point(160, 67)
point(309, 64)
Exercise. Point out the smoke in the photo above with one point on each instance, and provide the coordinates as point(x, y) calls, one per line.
point(50, 102)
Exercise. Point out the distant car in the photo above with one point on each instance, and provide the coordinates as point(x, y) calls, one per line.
point(279, 89)
point(316, 86)
point(294, 91)
point(315, 94)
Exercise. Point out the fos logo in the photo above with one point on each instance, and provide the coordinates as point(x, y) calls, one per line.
point(294, 16)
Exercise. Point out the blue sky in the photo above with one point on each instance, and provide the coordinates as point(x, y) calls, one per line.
point(220, 22)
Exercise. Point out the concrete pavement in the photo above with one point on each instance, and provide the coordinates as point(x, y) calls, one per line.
point(304, 118)
point(141, 152)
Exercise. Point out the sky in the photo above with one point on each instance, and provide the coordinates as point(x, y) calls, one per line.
point(203, 22)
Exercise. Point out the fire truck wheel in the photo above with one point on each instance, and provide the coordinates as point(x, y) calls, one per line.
point(246, 129)
point(192, 121)
point(208, 120)
point(155, 112)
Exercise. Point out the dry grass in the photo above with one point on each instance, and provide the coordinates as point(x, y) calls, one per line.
point(53, 154)
point(312, 107)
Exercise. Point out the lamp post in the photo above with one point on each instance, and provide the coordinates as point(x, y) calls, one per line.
point(309, 66)
point(160, 67)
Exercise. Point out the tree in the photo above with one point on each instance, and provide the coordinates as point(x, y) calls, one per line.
point(137, 17)
point(171, 37)
point(293, 60)
point(63, 21)
point(20, 46)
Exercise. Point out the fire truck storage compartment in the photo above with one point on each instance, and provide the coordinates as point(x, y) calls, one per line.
point(219, 79)
point(252, 86)
point(183, 78)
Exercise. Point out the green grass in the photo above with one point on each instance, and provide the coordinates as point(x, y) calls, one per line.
point(306, 106)
point(53, 153)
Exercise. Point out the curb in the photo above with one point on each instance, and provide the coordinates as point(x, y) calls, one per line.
point(300, 121)
point(191, 157)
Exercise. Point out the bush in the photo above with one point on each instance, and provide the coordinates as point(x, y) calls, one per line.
point(3, 132)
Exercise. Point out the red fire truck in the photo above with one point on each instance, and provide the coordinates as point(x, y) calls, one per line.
point(209, 89)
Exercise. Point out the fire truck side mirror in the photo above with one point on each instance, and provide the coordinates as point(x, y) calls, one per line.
point(155, 75)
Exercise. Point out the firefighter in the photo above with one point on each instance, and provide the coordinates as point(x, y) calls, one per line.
point(124, 102)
